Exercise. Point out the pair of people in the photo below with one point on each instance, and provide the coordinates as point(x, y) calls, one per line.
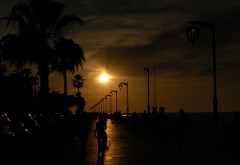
point(101, 134)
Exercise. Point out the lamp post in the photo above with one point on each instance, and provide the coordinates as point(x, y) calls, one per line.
point(110, 102)
point(92, 108)
point(99, 107)
point(115, 91)
point(120, 85)
point(192, 34)
point(147, 70)
point(102, 105)
point(96, 107)
point(105, 98)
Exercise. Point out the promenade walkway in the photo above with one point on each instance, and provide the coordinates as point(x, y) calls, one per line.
point(123, 149)
point(126, 148)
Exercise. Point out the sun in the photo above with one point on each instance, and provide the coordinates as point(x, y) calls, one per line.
point(104, 78)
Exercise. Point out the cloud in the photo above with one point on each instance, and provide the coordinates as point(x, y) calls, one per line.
point(119, 7)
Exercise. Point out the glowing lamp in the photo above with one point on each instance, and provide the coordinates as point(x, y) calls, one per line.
point(192, 33)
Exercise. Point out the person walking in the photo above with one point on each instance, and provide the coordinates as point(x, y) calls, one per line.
point(183, 127)
point(101, 134)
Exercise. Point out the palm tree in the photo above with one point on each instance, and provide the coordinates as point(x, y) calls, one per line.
point(40, 23)
point(28, 85)
point(77, 82)
point(34, 81)
point(3, 69)
point(69, 57)
point(26, 72)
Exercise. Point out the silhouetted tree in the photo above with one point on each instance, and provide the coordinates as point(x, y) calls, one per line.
point(69, 56)
point(26, 72)
point(34, 81)
point(3, 69)
point(77, 82)
point(80, 102)
point(40, 23)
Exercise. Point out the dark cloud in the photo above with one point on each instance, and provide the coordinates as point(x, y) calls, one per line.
point(119, 7)
point(174, 55)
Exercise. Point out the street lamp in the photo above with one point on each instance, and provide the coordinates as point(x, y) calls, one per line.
point(99, 107)
point(147, 70)
point(102, 101)
point(115, 91)
point(192, 34)
point(105, 98)
point(110, 102)
point(120, 86)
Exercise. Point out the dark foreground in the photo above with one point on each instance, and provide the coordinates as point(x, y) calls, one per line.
point(66, 139)
point(127, 145)
point(39, 139)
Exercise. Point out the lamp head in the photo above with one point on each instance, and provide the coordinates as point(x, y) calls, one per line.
point(120, 86)
point(115, 91)
point(192, 33)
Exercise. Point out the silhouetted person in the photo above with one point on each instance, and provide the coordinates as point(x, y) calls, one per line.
point(134, 120)
point(145, 115)
point(154, 112)
point(118, 117)
point(134, 116)
point(163, 119)
point(163, 124)
point(183, 126)
point(82, 125)
point(103, 119)
point(100, 160)
point(233, 137)
point(101, 134)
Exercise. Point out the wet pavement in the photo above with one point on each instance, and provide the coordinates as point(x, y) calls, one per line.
point(123, 149)
point(126, 147)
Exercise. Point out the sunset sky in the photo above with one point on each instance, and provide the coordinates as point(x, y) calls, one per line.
point(120, 37)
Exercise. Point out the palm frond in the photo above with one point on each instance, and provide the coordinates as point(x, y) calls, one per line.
point(78, 80)
point(69, 55)
point(64, 24)
point(15, 49)
point(3, 69)
point(21, 16)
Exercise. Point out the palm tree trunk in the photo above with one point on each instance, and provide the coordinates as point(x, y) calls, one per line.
point(78, 85)
point(44, 81)
point(65, 82)
point(34, 89)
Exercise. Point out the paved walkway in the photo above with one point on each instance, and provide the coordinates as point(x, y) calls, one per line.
point(124, 149)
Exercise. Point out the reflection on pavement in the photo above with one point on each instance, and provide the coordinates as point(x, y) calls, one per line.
point(123, 149)
point(100, 160)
